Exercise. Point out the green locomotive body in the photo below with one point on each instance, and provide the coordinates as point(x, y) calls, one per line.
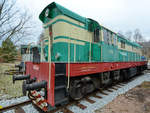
point(83, 39)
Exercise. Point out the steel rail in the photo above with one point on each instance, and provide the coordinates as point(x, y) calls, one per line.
point(13, 106)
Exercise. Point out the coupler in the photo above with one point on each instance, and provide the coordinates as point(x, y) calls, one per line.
point(37, 98)
point(34, 86)
point(20, 77)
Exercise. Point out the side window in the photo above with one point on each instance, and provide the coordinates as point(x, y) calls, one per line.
point(122, 44)
point(108, 37)
point(105, 35)
point(114, 39)
point(96, 35)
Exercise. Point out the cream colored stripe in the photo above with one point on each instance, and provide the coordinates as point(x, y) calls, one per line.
point(65, 18)
point(68, 40)
point(102, 38)
point(68, 30)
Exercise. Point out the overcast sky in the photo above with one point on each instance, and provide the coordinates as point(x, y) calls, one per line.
point(118, 15)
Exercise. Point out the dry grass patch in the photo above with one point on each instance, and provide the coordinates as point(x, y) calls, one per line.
point(7, 88)
point(145, 84)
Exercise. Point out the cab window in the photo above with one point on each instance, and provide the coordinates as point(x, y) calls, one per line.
point(122, 44)
point(96, 35)
point(114, 39)
point(105, 35)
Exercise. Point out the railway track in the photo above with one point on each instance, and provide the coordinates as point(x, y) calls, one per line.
point(65, 108)
point(16, 106)
point(81, 104)
point(99, 95)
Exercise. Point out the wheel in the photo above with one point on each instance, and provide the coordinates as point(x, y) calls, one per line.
point(76, 90)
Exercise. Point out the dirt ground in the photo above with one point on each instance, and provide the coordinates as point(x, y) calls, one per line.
point(136, 100)
point(7, 88)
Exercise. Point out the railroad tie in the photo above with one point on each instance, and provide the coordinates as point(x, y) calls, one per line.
point(89, 100)
point(96, 96)
point(113, 88)
point(102, 92)
point(81, 106)
point(118, 86)
point(19, 110)
point(109, 90)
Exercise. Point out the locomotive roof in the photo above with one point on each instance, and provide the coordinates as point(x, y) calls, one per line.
point(63, 11)
point(71, 14)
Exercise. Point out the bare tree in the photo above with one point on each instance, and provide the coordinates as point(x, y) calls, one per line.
point(128, 35)
point(13, 22)
point(137, 37)
point(41, 37)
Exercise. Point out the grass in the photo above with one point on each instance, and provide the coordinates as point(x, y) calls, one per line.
point(145, 84)
point(7, 88)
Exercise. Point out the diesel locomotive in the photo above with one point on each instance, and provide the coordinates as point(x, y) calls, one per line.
point(77, 56)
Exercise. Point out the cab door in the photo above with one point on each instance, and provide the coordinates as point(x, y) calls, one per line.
point(96, 48)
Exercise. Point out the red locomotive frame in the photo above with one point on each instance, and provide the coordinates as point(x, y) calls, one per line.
point(41, 71)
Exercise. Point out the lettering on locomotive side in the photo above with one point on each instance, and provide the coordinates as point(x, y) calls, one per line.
point(83, 69)
point(36, 67)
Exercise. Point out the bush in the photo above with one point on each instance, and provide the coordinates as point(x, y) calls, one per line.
point(8, 51)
